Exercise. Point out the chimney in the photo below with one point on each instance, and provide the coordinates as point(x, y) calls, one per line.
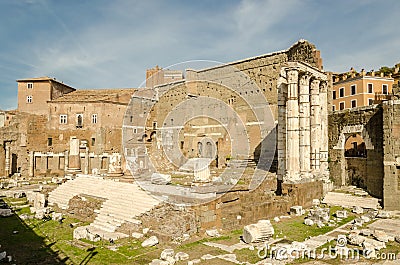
point(362, 72)
point(382, 74)
point(372, 72)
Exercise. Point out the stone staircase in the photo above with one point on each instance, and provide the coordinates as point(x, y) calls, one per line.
point(123, 201)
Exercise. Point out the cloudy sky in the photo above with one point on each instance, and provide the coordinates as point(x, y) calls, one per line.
point(110, 44)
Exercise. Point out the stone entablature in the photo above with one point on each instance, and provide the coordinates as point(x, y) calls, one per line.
point(302, 123)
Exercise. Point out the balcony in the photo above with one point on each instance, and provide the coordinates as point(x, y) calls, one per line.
point(379, 97)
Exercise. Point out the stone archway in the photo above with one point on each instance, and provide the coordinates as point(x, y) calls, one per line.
point(362, 166)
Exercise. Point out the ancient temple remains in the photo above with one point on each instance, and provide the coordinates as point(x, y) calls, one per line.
point(302, 123)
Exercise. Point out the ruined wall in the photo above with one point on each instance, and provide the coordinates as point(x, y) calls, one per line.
point(262, 70)
point(391, 139)
point(240, 207)
point(366, 121)
point(23, 134)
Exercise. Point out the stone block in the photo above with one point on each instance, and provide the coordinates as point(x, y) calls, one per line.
point(151, 241)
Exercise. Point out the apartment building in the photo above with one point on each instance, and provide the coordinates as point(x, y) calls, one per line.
point(351, 90)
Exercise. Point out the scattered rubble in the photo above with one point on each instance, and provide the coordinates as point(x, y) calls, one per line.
point(341, 214)
point(137, 235)
point(358, 210)
point(384, 214)
point(381, 236)
point(6, 212)
point(83, 232)
point(181, 256)
point(316, 202)
point(297, 210)
point(308, 222)
point(151, 241)
point(213, 233)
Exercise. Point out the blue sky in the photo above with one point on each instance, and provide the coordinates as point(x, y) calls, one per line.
point(110, 44)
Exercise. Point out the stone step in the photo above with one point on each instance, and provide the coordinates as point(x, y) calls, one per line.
point(123, 201)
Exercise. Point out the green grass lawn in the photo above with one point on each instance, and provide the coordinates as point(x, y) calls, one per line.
point(294, 229)
point(51, 242)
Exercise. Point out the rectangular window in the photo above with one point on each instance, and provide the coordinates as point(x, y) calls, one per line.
point(334, 94)
point(370, 88)
point(29, 99)
point(353, 89)
point(341, 92)
point(49, 141)
point(93, 141)
point(370, 101)
point(333, 107)
point(385, 89)
point(154, 125)
point(63, 119)
point(354, 103)
point(29, 85)
point(341, 106)
point(94, 118)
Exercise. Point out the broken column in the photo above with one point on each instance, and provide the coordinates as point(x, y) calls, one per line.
point(31, 164)
point(201, 171)
point(261, 231)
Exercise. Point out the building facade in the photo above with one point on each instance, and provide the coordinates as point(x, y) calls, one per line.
point(351, 90)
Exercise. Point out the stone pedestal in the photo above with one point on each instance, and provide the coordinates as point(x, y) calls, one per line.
point(74, 161)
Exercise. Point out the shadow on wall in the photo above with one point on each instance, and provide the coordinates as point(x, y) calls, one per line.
point(265, 154)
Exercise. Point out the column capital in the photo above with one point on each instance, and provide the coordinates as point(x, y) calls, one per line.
point(315, 84)
point(305, 79)
point(292, 75)
point(323, 86)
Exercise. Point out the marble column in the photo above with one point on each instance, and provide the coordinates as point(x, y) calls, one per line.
point(304, 114)
point(7, 168)
point(324, 129)
point(281, 135)
point(315, 123)
point(292, 127)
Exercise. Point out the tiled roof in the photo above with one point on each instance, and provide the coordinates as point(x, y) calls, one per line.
point(43, 78)
point(96, 95)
